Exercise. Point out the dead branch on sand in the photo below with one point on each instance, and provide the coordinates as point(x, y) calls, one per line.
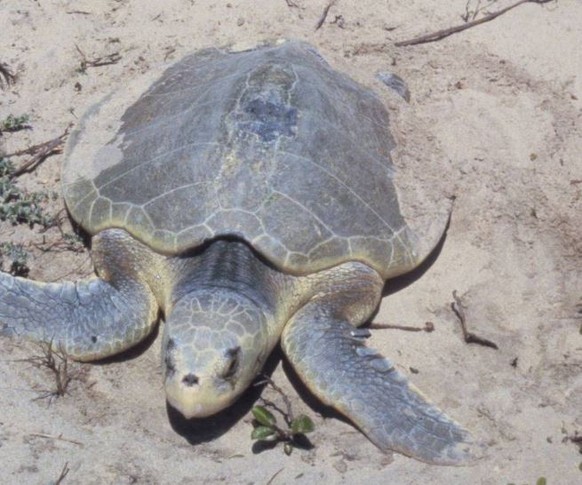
point(441, 34)
point(321, 20)
point(39, 154)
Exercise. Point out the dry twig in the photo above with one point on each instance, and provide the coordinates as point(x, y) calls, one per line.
point(469, 337)
point(324, 14)
point(272, 479)
point(441, 34)
point(39, 154)
point(471, 14)
point(428, 327)
point(6, 76)
point(57, 361)
point(288, 415)
point(64, 472)
point(98, 61)
point(59, 438)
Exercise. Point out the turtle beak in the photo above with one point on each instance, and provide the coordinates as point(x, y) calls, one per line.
point(213, 343)
point(195, 394)
point(195, 400)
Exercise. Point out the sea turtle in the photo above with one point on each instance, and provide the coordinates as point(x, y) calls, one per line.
point(249, 197)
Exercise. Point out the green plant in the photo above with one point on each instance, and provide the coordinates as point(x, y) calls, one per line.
point(73, 242)
point(18, 206)
point(13, 259)
point(14, 123)
point(266, 429)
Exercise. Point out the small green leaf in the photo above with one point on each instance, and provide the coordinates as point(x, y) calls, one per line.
point(288, 448)
point(262, 433)
point(541, 481)
point(263, 416)
point(302, 425)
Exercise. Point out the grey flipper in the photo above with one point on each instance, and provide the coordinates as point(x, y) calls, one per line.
point(330, 357)
point(87, 320)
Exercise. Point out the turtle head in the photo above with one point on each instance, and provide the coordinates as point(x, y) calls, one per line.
point(215, 343)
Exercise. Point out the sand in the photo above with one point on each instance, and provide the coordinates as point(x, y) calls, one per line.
point(494, 120)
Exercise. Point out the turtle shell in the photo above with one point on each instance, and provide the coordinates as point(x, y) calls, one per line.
point(270, 145)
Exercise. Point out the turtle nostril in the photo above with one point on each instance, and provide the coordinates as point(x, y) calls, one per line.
point(190, 380)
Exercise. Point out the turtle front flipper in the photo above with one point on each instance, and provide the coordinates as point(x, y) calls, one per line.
point(87, 320)
point(330, 357)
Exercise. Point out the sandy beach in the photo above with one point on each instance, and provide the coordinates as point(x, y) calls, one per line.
point(494, 120)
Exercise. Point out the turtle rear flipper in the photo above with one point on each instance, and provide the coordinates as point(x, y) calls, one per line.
point(330, 357)
point(87, 320)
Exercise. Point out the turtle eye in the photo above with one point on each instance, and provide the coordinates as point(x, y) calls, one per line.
point(170, 366)
point(233, 357)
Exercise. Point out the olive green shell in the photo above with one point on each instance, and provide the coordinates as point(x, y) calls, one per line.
point(271, 145)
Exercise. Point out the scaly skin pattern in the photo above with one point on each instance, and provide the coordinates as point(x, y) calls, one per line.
point(92, 319)
point(328, 352)
point(215, 343)
point(270, 146)
point(322, 341)
point(318, 316)
point(225, 309)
